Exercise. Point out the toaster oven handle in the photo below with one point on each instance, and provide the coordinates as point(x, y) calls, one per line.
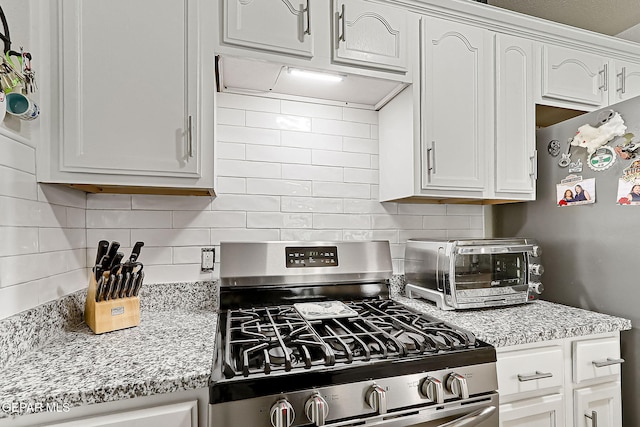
point(498, 249)
point(439, 286)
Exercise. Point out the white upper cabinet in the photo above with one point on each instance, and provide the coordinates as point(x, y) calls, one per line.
point(516, 162)
point(370, 34)
point(274, 25)
point(457, 101)
point(574, 76)
point(136, 91)
point(624, 81)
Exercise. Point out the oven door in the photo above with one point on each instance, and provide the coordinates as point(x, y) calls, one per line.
point(479, 412)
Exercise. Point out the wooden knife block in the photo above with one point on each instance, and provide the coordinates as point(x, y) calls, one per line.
point(111, 315)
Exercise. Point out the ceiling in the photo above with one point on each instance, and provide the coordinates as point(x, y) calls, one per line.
point(601, 16)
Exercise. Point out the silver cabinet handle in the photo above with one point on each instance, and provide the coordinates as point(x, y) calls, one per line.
point(534, 165)
point(593, 417)
point(537, 376)
point(608, 362)
point(605, 78)
point(308, 10)
point(622, 76)
point(431, 158)
point(343, 17)
point(472, 419)
point(190, 136)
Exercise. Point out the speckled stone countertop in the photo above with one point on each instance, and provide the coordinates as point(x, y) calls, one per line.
point(171, 350)
point(525, 323)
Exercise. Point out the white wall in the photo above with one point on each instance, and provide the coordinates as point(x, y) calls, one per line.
point(287, 171)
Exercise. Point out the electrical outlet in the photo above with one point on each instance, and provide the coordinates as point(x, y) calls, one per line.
point(208, 259)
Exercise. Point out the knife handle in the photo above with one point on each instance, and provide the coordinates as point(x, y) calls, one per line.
point(103, 246)
point(116, 261)
point(99, 286)
point(125, 284)
point(138, 283)
point(116, 286)
point(135, 252)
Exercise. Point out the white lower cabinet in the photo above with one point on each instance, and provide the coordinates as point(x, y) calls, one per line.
point(545, 411)
point(566, 382)
point(176, 415)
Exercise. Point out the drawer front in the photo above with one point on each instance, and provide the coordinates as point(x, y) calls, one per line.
point(529, 370)
point(596, 359)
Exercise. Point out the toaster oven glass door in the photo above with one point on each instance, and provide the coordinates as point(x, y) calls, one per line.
point(476, 271)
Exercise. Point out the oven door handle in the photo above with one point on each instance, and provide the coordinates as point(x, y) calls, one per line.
point(472, 419)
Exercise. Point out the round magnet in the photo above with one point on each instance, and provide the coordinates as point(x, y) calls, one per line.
point(554, 147)
point(603, 158)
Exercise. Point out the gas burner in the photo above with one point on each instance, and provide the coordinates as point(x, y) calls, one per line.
point(278, 355)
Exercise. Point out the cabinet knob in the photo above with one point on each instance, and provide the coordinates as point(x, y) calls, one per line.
point(457, 384)
point(282, 414)
point(433, 389)
point(317, 409)
point(377, 399)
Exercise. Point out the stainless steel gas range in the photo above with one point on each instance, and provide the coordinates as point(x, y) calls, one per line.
point(307, 336)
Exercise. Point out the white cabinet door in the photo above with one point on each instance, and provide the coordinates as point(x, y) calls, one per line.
point(547, 411)
point(599, 406)
point(574, 76)
point(515, 118)
point(457, 102)
point(130, 87)
point(370, 34)
point(624, 81)
point(273, 25)
point(176, 415)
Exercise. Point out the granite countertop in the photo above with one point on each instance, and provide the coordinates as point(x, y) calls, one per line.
point(523, 324)
point(171, 350)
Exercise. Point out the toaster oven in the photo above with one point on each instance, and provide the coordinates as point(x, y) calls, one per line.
point(473, 273)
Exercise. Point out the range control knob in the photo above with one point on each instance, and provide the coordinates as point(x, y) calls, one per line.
point(536, 251)
point(282, 414)
point(536, 287)
point(317, 409)
point(457, 384)
point(377, 399)
point(536, 269)
point(433, 389)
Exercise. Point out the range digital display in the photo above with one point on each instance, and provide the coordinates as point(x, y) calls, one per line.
point(311, 256)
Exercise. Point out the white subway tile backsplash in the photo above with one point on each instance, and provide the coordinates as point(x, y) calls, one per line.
point(370, 207)
point(166, 203)
point(476, 222)
point(312, 140)
point(278, 220)
point(360, 115)
point(312, 204)
point(108, 201)
point(231, 185)
point(25, 268)
point(230, 116)
point(278, 187)
point(464, 234)
point(341, 221)
point(248, 202)
point(246, 135)
point(59, 285)
point(209, 219)
point(464, 209)
point(360, 145)
point(375, 162)
point(128, 219)
point(246, 169)
point(278, 121)
point(94, 235)
point(313, 173)
point(29, 213)
point(374, 132)
point(307, 235)
point(187, 255)
point(336, 158)
point(231, 151)
point(243, 235)
point(16, 183)
point(312, 110)
point(401, 222)
point(153, 255)
point(61, 195)
point(16, 155)
point(357, 235)
point(15, 299)
point(437, 222)
point(265, 153)
point(421, 209)
point(18, 240)
point(342, 128)
point(76, 218)
point(343, 190)
point(62, 239)
point(172, 237)
point(366, 176)
point(244, 102)
point(404, 235)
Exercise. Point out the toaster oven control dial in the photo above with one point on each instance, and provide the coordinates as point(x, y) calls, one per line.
point(457, 384)
point(433, 389)
point(536, 269)
point(317, 409)
point(377, 399)
point(282, 414)
point(536, 251)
